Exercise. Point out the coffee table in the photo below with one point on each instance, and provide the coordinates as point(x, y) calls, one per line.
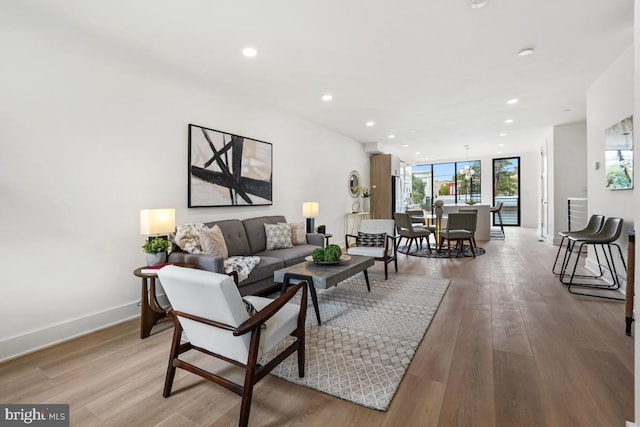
point(323, 276)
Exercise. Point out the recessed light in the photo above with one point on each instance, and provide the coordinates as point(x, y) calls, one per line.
point(499, 152)
point(500, 145)
point(370, 123)
point(508, 121)
point(417, 152)
point(477, 4)
point(405, 145)
point(249, 52)
point(526, 51)
point(512, 101)
point(412, 131)
point(327, 97)
point(503, 134)
point(392, 136)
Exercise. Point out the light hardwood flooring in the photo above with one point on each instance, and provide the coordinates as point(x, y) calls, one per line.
point(508, 346)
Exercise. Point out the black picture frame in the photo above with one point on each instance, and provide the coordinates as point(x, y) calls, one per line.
point(228, 170)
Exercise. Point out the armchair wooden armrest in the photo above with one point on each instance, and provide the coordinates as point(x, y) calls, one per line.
point(266, 313)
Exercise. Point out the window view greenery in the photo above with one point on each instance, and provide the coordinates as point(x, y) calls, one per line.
point(457, 182)
point(506, 188)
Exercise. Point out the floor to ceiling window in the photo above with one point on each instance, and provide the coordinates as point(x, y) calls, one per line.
point(455, 182)
point(506, 189)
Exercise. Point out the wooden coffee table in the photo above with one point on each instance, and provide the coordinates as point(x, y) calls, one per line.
point(323, 276)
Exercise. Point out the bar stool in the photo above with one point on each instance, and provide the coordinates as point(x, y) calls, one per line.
point(605, 238)
point(593, 226)
point(497, 209)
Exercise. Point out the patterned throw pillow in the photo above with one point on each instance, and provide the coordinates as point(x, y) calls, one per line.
point(278, 236)
point(298, 232)
point(188, 237)
point(371, 240)
point(212, 242)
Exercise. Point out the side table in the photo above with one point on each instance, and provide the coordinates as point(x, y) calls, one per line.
point(150, 309)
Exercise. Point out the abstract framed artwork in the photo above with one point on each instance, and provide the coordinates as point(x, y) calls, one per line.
point(228, 170)
point(619, 155)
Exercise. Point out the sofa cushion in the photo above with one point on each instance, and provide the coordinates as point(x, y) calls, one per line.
point(264, 269)
point(254, 232)
point(234, 235)
point(278, 236)
point(290, 256)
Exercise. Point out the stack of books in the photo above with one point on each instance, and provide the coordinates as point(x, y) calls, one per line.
point(154, 269)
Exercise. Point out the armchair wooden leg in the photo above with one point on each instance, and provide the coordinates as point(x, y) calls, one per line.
point(171, 369)
point(249, 379)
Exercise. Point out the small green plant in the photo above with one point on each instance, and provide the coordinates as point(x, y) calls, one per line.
point(331, 253)
point(156, 245)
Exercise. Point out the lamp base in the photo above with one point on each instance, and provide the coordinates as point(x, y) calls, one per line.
point(310, 225)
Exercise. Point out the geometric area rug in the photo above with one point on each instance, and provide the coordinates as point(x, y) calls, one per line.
point(367, 339)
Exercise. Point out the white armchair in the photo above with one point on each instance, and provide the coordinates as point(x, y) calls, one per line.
point(376, 238)
point(209, 308)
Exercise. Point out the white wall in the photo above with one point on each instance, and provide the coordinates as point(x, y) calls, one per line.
point(636, 201)
point(569, 170)
point(91, 134)
point(609, 100)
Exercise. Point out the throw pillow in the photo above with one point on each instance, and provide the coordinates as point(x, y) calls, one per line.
point(298, 233)
point(188, 237)
point(371, 239)
point(278, 236)
point(212, 242)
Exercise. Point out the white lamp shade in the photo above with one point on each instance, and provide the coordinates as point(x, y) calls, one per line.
point(157, 221)
point(310, 209)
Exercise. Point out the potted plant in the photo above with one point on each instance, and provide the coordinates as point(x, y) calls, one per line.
point(156, 250)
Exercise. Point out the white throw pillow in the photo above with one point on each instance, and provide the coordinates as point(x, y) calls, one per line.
point(278, 236)
point(188, 237)
point(212, 242)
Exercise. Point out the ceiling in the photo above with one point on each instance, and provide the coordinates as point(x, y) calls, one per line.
point(434, 73)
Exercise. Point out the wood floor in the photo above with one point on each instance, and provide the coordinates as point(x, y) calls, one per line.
point(509, 346)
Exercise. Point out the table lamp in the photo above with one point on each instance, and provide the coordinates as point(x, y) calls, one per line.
point(157, 222)
point(310, 210)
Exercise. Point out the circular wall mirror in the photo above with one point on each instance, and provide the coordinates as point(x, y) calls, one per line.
point(354, 183)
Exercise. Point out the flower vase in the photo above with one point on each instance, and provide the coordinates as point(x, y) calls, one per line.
point(365, 204)
point(156, 259)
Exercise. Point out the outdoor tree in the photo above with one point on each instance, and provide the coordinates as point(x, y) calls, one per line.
point(417, 190)
point(444, 190)
point(505, 179)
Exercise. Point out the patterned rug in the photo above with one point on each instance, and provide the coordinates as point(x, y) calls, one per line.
point(367, 340)
point(424, 252)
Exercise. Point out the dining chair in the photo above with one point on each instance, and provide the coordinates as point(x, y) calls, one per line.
point(408, 232)
point(472, 211)
point(459, 226)
point(208, 307)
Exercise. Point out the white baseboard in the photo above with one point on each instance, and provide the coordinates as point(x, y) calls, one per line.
point(65, 331)
point(592, 266)
point(629, 424)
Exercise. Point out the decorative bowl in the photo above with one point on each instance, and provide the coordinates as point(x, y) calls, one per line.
point(342, 259)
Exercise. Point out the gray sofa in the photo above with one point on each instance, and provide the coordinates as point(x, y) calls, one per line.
point(247, 237)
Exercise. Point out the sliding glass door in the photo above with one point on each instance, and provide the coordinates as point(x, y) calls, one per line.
point(506, 189)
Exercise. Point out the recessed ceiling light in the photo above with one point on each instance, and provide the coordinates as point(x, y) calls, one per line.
point(249, 52)
point(412, 131)
point(512, 101)
point(392, 136)
point(500, 145)
point(499, 152)
point(417, 152)
point(503, 134)
point(327, 97)
point(476, 4)
point(405, 145)
point(508, 121)
point(370, 123)
point(526, 51)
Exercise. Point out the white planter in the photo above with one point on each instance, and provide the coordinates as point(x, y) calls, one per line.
point(365, 204)
point(156, 259)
